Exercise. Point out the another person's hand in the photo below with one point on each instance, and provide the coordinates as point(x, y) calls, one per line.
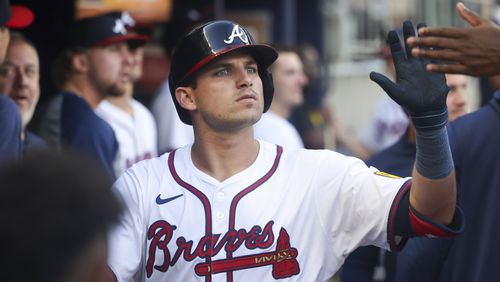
point(472, 51)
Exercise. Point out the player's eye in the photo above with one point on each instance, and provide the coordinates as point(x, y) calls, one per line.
point(252, 69)
point(222, 72)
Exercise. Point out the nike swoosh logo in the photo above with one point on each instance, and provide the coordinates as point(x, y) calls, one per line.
point(161, 201)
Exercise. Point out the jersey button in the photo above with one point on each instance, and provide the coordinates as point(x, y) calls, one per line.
point(220, 215)
point(221, 195)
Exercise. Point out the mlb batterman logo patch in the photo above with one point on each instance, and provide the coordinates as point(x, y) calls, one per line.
point(385, 174)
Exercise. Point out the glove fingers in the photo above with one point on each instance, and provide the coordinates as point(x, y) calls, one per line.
point(389, 87)
point(398, 56)
point(408, 31)
point(421, 25)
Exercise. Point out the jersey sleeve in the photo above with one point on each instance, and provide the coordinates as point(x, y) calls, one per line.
point(361, 206)
point(126, 240)
point(353, 202)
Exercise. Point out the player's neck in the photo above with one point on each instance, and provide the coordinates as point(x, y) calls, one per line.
point(280, 110)
point(223, 156)
point(123, 102)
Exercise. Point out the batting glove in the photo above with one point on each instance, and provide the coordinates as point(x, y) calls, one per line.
point(421, 93)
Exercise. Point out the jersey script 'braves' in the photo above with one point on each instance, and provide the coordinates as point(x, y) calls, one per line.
point(291, 214)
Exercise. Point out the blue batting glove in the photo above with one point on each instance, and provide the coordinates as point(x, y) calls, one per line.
point(421, 93)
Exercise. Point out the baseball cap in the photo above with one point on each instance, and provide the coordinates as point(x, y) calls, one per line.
point(105, 29)
point(15, 16)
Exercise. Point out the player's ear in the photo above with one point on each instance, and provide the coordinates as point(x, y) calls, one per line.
point(184, 96)
point(79, 62)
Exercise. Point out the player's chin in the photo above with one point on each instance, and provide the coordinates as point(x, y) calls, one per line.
point(117, 90)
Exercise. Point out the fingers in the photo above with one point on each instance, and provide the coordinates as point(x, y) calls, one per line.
point(408, 32)
point(449, 32)
point(421, 25)
point(397, 52)
point(433, 42)
point(449, 68)
point(389, 87)
point(468, 15)
point(437, 54)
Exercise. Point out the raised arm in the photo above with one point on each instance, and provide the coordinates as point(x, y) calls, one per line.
point(423, 95)
point(473, 51)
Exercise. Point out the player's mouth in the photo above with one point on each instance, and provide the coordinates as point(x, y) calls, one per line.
point(247, 95)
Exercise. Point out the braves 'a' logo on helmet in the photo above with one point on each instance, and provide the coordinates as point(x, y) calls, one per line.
point(237, 32)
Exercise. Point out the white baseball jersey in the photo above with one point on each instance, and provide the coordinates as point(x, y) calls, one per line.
point(136, 134)
point(291, 216)
point(277, 130)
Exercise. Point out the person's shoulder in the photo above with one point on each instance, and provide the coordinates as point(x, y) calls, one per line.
point(149, 169)
point(7, 106)
point(140, 110)
point(35, 141)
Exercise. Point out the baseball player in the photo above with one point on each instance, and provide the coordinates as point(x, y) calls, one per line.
point(233, 208)
point(132, 123)
point(95, 64)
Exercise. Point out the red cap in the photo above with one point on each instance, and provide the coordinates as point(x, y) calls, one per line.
point(21, 17)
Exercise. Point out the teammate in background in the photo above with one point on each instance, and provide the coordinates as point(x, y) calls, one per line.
point(132, 123)
point(473, 51)
point(10, 117)
point(96, 64)
point(474, 140)
point(55, 219)
point(289, 81)
point(233, 208)
point(367, 264)
point(20, 80)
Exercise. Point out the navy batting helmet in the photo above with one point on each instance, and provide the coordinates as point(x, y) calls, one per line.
point(210, 40)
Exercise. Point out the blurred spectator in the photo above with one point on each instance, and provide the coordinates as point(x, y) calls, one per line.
point(133, 124)
point(20, 80)
point(96, 64)
point(55, 212)
point(10, 117)
point(309, 118)
point(289, 81)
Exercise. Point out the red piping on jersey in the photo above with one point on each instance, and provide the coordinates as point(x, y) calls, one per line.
point(203, 199)
point(392, 214)
point(246, 191)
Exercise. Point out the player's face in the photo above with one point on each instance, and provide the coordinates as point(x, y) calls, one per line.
point(457, 100)
point(289, 80)
point(19, 78)
point(228, 94)
point(109, 68)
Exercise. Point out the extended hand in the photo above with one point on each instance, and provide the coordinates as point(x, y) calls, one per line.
point(473, 51)
point(421, 93)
